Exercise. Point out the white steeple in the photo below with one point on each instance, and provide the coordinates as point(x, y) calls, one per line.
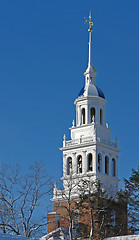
point(90, 151)
point(90, 74)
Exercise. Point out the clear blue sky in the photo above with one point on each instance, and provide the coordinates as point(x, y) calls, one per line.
point(43, 55)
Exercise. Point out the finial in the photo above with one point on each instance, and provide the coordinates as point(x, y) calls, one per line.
point(90, 43)
point(107, 124)
point(64, 137)
point(73, 123)
point(90, 74)
point(89, 22)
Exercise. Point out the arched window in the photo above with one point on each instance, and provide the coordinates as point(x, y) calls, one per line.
point(90, 168)
point(83, 115)
point(57, 220)
point(113, 218)
point(99, 165)
point(75, 219)
point(101, 116)
point(106, 165)
point(92, 114)
point(113, 168)
point(69, 165)
point(79, 160)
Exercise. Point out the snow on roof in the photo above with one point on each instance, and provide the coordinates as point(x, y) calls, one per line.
point(12, 237)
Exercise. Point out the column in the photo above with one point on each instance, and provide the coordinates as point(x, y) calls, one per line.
point(84, 162)
point(116, 167)
point(77, 121)
point(94, 161)
point(64, 165)
point(98, 116)
point(74, 163)
point(110, 165)
point(103, 163)
point(86, 120)
point(80, 115)
point(103, 109)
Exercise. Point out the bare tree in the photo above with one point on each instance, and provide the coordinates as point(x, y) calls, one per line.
point(66, 199)
point(21, 198)
point(90, 194)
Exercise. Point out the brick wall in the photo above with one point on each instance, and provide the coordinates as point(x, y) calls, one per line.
point(53, 221)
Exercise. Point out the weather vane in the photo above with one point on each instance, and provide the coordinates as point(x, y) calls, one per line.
point(89, 22)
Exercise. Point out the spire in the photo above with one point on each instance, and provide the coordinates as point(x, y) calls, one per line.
point(90, 41)
point(90, 74)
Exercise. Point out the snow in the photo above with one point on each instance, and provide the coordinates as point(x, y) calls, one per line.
point(12, 237)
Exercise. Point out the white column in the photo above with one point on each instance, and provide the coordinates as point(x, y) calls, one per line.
point(84, 163)
point(74, 163)
point(77, 121)
point(64, 165)
point(103, 115)
point(110, 165)
point(89, 114)
point(116, 167)
point(98, 116)
point(86, 120)
point(80, 115)
point(94, 161)
point(103, 163)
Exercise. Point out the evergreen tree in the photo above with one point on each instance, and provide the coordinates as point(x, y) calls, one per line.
point(132, 192)
point(108, 216)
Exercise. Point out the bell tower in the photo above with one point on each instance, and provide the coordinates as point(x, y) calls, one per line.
point(89, 154)
point(90, 151)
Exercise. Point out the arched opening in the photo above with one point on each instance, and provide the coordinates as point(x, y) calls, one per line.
point(101, 116)
point(113, 218)
point(69, 165)
point(90, 167)
point(75, 219)
point(106, 165)
point(113, 167)
point(99, 165)
point(83, 115)
point(79, 160)
point(92, 114)
point(57, 220)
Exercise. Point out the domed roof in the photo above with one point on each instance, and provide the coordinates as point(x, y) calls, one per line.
point(91, 90)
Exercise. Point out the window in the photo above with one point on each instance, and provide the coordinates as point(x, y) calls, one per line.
point(90, 168)
point(113, 217)
point(99, 162)
point(113, 168)
point(75, 219)
point(101, 116)
point(79, 160)
point(92, 114)
point(106, 165)
point(69, 165)
point(83, 115)
point(57, 220)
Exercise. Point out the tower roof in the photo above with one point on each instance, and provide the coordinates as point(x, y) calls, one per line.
point(91, 90)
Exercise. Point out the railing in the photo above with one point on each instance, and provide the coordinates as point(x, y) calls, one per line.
point(78, 141)
point(74, 142)
point(109, 143)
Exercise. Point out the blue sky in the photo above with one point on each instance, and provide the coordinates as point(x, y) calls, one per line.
point(43, 55)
